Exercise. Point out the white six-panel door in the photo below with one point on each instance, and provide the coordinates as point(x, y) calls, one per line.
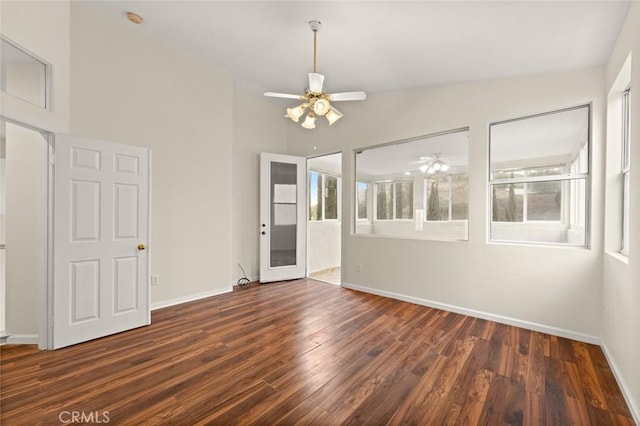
point(101, 262)
point(283, 208)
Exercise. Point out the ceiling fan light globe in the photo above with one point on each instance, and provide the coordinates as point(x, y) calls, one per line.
point(444, 167)
point(424, 168)
point(430, 171)
point(333, 115)
point(436, 166)
point(295, 113)
point(309, 122)
point(321, 106)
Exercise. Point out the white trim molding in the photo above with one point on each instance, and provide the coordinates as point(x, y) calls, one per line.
point(635, 410)
point(190, 298)
point(568, 334)
point(23, 339)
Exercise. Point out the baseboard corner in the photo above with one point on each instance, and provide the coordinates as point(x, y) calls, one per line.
point(631, 403)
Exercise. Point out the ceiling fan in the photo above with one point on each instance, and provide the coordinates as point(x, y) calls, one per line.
point(315, 100)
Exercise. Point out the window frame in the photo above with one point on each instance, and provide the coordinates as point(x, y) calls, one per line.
point(568, 176)
point(425, 200)
point(47, 77)
point(625, 170)
point(322, 176)
point(393, 183)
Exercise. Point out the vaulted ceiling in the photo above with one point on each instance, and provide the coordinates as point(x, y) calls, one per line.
point(380, 46)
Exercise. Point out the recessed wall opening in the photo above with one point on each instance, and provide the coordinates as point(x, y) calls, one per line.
point(324, 227)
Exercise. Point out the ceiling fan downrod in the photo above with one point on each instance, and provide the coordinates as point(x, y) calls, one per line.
point(315, 27)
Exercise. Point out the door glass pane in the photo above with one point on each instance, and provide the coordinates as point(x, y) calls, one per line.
point(282, 245)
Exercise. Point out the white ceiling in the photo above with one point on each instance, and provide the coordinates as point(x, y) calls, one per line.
point(381, 46)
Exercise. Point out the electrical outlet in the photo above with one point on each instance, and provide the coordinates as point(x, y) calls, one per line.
point(357, 267)
point(155, 279)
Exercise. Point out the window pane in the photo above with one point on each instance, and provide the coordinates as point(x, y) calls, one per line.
point(540, 140)
point(437, 199)
point(544, 200)
point(459, 197)
point(330, 197)
point(404, 200)
point(22, 75)
point(361, 193)
point(315, 196)
point(508, 202)
point(384, 201)
point(541, 230)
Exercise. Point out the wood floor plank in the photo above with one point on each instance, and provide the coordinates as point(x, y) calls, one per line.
point(306, 352)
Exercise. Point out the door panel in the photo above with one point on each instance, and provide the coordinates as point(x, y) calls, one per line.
point(101, 277)
point(282, 215)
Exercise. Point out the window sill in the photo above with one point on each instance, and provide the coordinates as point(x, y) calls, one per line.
point(619, 257)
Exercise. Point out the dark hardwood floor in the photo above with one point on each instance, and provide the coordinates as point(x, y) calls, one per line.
point(313, 353)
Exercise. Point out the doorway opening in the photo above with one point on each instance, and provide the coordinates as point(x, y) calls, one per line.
point(324, 220)
point(24, 212)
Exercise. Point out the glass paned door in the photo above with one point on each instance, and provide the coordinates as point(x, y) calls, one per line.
point(282, 217)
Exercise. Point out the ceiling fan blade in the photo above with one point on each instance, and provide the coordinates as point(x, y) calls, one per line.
point(316, 81)
point(282, 95)
point(348, 96)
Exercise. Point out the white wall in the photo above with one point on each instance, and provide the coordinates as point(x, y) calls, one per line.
point(323, 245)
point(554, 288)
point(620, 310)
point(25, 229)
point(129, 89)
point(255, 130)
point(41, 27)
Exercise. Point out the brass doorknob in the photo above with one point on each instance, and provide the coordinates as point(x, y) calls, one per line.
point(141, 246)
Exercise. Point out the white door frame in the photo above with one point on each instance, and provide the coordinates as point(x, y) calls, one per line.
point(285, 272)
point(45, 287)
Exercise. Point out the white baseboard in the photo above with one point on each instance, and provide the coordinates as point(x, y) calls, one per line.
point(479, 314)
point(633, 407)
point(23, 339)
point(190, 298)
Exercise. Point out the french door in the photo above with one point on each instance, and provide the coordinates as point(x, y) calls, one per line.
point(101, 232)
point(282, 217)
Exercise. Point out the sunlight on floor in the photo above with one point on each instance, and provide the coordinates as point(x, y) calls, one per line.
point(331, 275)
